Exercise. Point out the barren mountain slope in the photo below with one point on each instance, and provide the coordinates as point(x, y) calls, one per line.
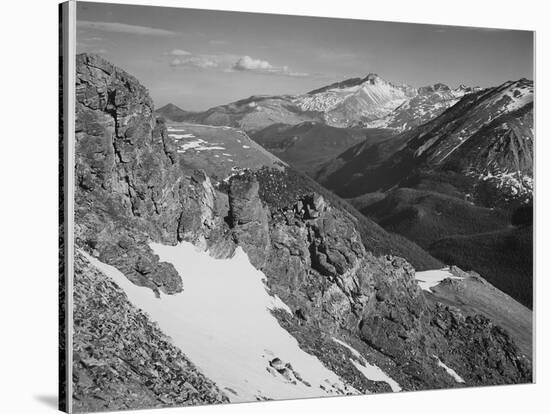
point(482, 144)
point(309, 145)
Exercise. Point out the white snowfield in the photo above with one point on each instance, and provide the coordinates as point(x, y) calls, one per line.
point(450, 371)
point(516, 182)
point(378, 93)
point(191, 142)
point(181, 136)
point(371, 372)
point(431, 278)
point(199, 145)
point(223, 322)
point(423, 109)
point(519, 96)
point(381, 102)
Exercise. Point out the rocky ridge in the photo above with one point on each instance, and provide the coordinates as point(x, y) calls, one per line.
point(132, 189)
point(253, 114)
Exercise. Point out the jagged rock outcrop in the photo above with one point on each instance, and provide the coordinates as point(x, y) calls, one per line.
point(130, 184)
point(317, 264)
point(249, 219)
point(126, 175)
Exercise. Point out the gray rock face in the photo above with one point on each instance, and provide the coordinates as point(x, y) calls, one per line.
point(131, 187)
point(249, 219)
point(128, 183)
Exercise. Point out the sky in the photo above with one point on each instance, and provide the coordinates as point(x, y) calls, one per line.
point(197, 59)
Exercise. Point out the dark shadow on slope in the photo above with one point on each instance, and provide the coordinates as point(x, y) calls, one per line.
point(504, 258)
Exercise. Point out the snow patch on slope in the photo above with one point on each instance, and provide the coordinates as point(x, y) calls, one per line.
point(371, 372)
point(181, 136)
point(191, 142)
point(373, 98)
point(198, 145)
point(515, 184)
point(450, 371)
point(376, 103)
point(222, 321)
point(431, 278)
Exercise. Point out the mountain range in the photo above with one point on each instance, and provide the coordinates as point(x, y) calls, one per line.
point(332, 243)
point(363, 109)
point(369, 102)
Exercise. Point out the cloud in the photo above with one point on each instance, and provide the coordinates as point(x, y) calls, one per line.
point(180, 52)
point(201, 61)
point(249, 64)
point(228, 63)
point(115, 27)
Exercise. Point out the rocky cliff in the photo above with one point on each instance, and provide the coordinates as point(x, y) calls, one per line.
point(129, 190)
point(132, 188)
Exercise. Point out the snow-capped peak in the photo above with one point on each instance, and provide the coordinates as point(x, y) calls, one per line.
point(375, 102)
point(373, 78)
